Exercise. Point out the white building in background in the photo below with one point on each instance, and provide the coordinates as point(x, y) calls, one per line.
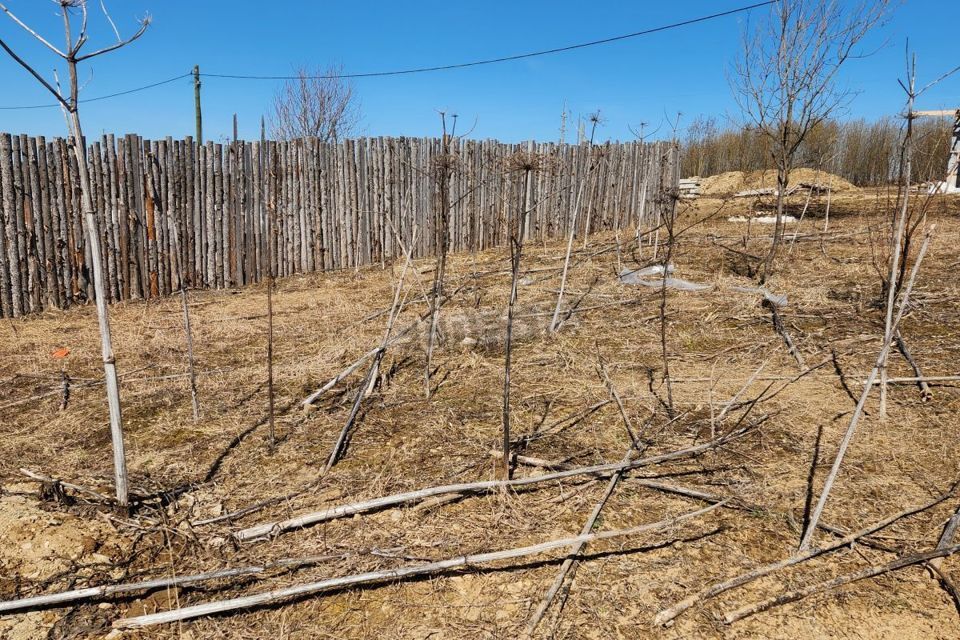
point(952, 182)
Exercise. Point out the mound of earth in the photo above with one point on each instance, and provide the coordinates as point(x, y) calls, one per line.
point(733, 181)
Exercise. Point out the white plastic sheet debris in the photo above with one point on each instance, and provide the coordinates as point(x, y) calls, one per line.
point(629, 276)
point(633, 276)
point(653, 277)
point(761, 219)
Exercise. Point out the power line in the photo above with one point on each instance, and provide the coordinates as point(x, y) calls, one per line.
point(106, 97)
point(520, 56)
point(400, 72)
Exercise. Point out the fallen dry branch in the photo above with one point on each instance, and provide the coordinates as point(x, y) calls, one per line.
point(391, 575)
point(664, 487)
point(339, 445)
point(555, 428)
point(807, 537)
point(484, 486)
point(569, 563)
point(781, 330)
point(87, 593)
point(75, 487)
point(666, 616)
point(947, 536)
point(335, 380)
point(863, 574)
point(925, 379)
point(743, 389)
point(96, 382)
point(338, 448)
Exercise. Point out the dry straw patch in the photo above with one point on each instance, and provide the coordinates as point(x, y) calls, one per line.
point(403, 442)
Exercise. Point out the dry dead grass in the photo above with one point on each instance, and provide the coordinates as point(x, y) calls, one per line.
point(404, 442)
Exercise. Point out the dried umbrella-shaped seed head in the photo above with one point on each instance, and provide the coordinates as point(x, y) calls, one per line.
point(448, 162)
point(525, 161)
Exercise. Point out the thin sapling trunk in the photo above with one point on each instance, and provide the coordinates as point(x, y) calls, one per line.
point(516, 251)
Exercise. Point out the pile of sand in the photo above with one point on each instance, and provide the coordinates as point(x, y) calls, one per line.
point(734, 181)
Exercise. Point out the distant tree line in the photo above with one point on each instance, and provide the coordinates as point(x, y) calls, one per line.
point(863, 152)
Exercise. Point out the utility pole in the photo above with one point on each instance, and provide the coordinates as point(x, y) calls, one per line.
point(196, 101)
point(234, 127)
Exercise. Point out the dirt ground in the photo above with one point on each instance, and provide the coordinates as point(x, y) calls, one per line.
point(187, 471)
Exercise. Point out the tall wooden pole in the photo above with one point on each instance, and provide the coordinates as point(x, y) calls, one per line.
point(268, 154)
point(196, 103)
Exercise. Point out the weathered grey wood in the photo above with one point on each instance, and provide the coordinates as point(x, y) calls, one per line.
point(667, 615)
point(34, 226)
point(13, 288)
point(335, 205)
point(373, 577)
point(827, 585)
point(485, 486)
point(807, 538)
point(20, 220)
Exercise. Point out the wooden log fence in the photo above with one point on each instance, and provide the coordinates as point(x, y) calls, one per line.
point(324, 206)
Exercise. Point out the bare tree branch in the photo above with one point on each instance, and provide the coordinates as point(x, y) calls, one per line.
point(785, 80)
point(143, 28)
point(113, 26)
point(36, 35)
point(34, 73)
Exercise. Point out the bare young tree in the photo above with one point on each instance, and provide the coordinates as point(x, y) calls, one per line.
point(318, 103)
point(785, 80)
point(442, 170)
point(526, 163)
point(75, 39)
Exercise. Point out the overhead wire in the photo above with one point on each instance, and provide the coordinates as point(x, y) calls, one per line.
point(510, 58)
point(106, 97)
point(430, 69)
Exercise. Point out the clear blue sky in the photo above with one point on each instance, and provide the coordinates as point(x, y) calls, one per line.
point(629, 81)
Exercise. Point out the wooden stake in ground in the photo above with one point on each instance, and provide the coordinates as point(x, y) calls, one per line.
point(668, 202)
point(180, 277)
point(271, 242)
point(70, 105)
